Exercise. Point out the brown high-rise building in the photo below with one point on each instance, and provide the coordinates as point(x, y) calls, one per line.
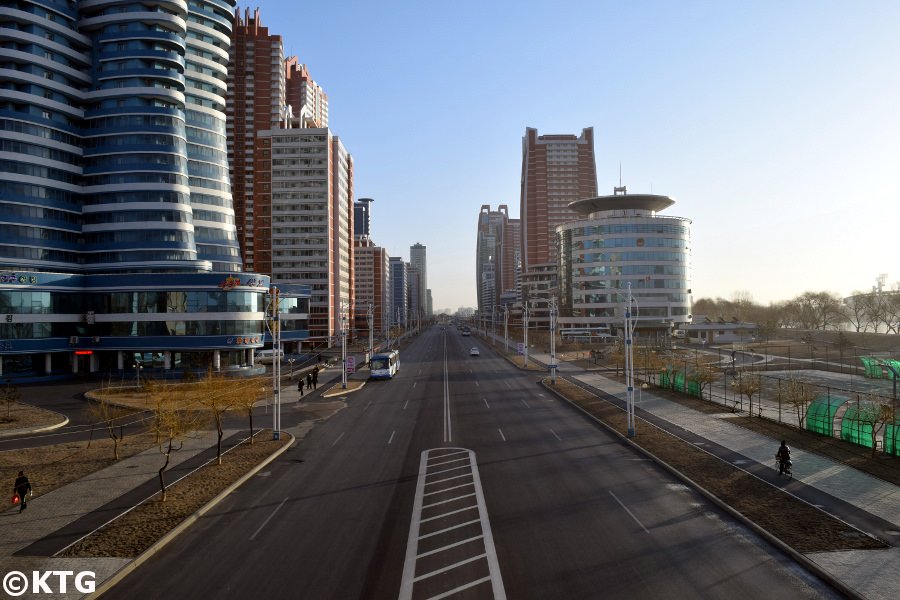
point(256, 97)
point(308, 100)
point(497, 257)
point(556, 170)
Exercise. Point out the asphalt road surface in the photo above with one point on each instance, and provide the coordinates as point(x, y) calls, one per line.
point(462, 478)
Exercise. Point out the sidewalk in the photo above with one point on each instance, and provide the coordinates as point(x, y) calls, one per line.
point(873, 573)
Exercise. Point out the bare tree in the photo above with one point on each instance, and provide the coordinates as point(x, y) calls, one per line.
point(749, 385)
point(859, 310)
point(103, 411)
point(874, 413)
point(703, 375)
point(174, 420)
point(216, 394)
point(10, 395)
point(799, 395)
point(247, 393)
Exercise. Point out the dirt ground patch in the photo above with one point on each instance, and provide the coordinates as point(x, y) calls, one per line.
point(51, 467)
point(25, 416)
point(807, 530)
point(131, 534)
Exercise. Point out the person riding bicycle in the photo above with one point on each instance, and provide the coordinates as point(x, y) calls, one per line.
point(783, 456)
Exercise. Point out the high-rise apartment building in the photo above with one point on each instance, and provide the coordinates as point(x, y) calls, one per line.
point(399, 292)
point(362, 218)
point(372, 283)
point(256, 99)
point(118, 231)
point(556, 170)
point(498, 252)
point(307, 99)
point(305, 177)
point(418, 259)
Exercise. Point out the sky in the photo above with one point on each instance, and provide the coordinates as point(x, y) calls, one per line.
point(774, 125)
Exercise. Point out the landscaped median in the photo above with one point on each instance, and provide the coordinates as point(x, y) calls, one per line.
point(137, 530)
point(799, 525)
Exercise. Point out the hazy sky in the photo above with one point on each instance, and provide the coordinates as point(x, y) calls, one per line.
point(774, 125)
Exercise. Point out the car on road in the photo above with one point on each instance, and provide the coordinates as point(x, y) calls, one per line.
point(474, 352)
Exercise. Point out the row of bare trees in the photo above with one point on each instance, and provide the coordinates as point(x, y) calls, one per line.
point(875, 311)
point(178, 410)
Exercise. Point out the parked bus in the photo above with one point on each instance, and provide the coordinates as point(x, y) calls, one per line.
point(384, 365)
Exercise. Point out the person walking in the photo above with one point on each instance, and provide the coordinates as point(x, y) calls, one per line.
point(22, 487)
point(309, 381)
point(315, 377)
point(300, 386)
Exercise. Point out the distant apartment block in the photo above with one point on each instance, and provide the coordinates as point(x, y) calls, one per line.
point(498, 256)
point(399, 292)
point(304, 190)
point(372, 284)
point(307, 99)
point(362, 218)
point(418, 259)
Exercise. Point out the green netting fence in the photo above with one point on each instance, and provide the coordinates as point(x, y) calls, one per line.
point(675, 380)
point(896, 367)
point(892, 439)
point(821, 411)
point(872, 366)
point(855, 431)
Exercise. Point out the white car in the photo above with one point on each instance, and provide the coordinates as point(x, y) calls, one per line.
point(474, 352)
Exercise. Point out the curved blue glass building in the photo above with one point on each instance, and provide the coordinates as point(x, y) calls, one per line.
point(114, 180)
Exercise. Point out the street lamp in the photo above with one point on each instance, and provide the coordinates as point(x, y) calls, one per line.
point(291, 361)
point(343, 349)
point(553, 316)
point(137, 367)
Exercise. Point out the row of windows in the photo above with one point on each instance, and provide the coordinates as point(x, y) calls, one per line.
point(627, 270)
point(23, 232)
point(135, 121)
point(137, 196)
point(137, 139)
point(631, 257)
point(23, 211)
point(652, 242)
point(605, 284)
point(45, 302)
point(617, 298)
point(39, 131)
point(144, 237)
point(595, 230)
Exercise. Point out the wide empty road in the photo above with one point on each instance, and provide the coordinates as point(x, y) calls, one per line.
point(462, 478)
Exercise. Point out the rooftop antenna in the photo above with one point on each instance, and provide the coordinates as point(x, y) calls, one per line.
point(621, 188)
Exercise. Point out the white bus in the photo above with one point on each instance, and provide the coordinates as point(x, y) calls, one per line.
point(384, 365)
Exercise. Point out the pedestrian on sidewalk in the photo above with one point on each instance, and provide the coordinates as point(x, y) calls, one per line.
point(300, 386)
point(22, 487)
point(309, 381)
point(315, 377)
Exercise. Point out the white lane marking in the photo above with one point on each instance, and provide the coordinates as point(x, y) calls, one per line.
point(485, 402)
point(392, 437)
point(525, 403)
point(501, 434)
point(554, 433)
point(420, 371)
point(338, 439)
point(447, 514)
point(367, 406)
point(269, 518)
point(490, 549)
point(440, 456)
point(445, 479)
point(630, 514)
point(540, 395)
point(447, 547)
point(448, 462)
point(414, 384)
point(461, 588)
point(405, 403)
point(448, 501)
point(440, 531)
point(478, 384)
point(455, 487)
point(448, 567)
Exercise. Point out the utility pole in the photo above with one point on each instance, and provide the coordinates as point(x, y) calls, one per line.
point(343, 349)
point(525, 332)
point(276, 366)
point(506, 327)
point(629, 361)
point(370, 320)
point(553, 340)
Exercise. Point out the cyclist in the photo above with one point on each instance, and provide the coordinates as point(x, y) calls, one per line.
point(783, 456)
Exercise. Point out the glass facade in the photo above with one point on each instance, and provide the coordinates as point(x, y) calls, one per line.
point(602, 253)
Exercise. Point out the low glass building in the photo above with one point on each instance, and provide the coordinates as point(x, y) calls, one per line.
point(622, 239)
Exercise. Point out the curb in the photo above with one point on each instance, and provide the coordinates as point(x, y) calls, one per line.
point(119, 575)
point(15, 432)
point(341, 391)
point(764, 533)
